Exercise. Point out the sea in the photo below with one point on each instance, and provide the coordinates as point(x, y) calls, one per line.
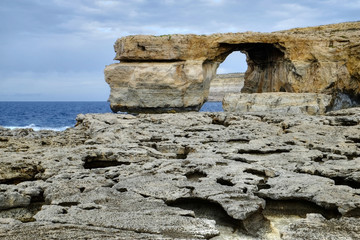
point(59, 116)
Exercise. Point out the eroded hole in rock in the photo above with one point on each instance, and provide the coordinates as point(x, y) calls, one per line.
point(153, 139)
point(225, 182)
point(353, 139)
point(122, 189)
point(68, 204)
point(195, 175)
point(25, 214)
point(263, 151)
point(298, 208)
point(337, 180)
point(262, 185)
point(101, 161)
point(238, 140)
point(221, 164)
point(103, 164)
point(184, 153)
point(348, 182)
point(209, 210)
point(259, 173)
point(23, 173)
point(353, 213)
point(219, 121)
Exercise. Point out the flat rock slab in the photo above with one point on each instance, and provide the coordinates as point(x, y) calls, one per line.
point(184, 176)
point(281, 102)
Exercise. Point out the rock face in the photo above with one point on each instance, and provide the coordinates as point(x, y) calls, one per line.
point(173, 72)
point(184, 176)
point(310, 103)
point(225, 83)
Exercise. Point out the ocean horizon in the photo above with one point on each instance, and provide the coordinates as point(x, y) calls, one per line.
point(59, 115)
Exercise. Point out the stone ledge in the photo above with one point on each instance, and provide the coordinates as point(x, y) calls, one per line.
point(292, 103)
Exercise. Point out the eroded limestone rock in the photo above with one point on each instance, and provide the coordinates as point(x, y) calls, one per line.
point(177, 69)
point(223, 84)
point(185, 176)
point(292, 103)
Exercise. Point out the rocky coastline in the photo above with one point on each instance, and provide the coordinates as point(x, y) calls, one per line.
point(282, 162)
point(184, 176)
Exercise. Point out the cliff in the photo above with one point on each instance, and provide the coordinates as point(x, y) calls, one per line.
point(173, 72)
point(223, 84)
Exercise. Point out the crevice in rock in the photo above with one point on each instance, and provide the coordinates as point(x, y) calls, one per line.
point(337, 180)
point(103, 164)
point(184, 153)
point(259, 173)
point(195, 175)
point(122, 189)
point(298, 207)
point(238, 140)
point(153, 139)
point(353, 213)
point(225, 182)
point(263, 151)
point(263, 185)
point(23, 173)
point(219, 121)
point(254, 225)
point(347, 182)
point(353, 139)
point(68, 204)
point(209, 210)
point(25, 214)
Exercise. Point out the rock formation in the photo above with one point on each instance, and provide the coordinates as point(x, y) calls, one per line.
point(173, 72)
point(223, 84)
point(310, 103)
point(184, 176)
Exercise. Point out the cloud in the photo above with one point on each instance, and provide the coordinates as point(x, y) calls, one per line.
point(58, 40)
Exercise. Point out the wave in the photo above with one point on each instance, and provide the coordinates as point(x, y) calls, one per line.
point(37, 128)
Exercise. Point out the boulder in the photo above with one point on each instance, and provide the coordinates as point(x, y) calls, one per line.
point(293, 103)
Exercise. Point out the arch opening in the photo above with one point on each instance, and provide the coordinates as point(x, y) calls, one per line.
point(229, 76)
point(267, 68)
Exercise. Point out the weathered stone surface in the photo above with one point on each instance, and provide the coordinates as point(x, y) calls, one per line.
point(323, 59)
point(159, 87)
point(223, 84)
point(185, 176)
point(292, 103)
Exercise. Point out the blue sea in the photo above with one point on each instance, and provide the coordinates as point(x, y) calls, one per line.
point(58, 116)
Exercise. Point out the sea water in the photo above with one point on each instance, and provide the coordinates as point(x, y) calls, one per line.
point(58, 116)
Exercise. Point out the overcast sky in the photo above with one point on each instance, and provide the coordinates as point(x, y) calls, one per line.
point(53, 50)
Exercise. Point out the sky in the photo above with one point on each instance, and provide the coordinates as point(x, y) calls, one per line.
point(56, 50)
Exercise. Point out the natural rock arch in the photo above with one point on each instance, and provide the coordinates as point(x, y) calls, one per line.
point(173, 72)
point(267, 71)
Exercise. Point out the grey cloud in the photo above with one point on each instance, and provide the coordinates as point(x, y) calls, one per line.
point(75, 37)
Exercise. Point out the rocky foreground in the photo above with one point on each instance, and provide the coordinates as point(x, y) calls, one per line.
point(185, 176)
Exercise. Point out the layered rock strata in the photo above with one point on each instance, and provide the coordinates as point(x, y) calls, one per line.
point(223, 84)
point(184, 176)
point(173, 72)
point(309, 103)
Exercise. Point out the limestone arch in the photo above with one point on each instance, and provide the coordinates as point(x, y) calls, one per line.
point(268, 68)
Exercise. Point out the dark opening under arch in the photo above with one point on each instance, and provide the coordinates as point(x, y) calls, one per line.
point(268, 70)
